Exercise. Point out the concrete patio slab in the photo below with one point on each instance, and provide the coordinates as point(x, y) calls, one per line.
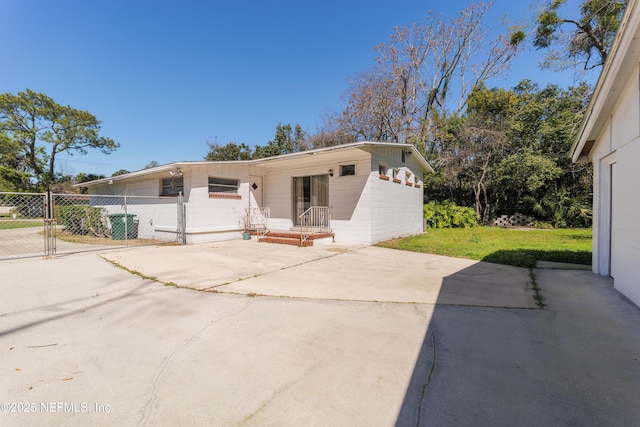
point(207, 265)
point(333, 272)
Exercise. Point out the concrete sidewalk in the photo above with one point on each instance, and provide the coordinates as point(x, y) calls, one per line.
point(328, 335)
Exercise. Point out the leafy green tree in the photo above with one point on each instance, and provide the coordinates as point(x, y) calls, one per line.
point(14, 175)
point(12, 180)
point(437, 186)
point(229, 151)
point(86, 177)
point(547, 119)
point(120, 172)
point(471, 145)
point(287, 140)
point(523, 176)
point(590, 38)
point(43, 129)
point(151, 164)
point(508, 151)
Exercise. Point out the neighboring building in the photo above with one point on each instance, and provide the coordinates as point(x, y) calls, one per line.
point(610, 139)
point(364, 192)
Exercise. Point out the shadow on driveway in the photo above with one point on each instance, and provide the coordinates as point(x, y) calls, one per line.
point(133, 292)
point(575, 362)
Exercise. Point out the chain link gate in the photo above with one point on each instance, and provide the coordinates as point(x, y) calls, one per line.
point(22, 225)
point(45, 224)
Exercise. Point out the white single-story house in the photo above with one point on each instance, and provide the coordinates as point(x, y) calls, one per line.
point(359, 193)
point(610, 139)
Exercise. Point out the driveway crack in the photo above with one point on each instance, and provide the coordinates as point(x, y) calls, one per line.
point(286, 267)
point(147, 409)
point(434, 356)
point(286, 387)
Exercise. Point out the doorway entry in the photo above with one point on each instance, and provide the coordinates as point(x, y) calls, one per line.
point(309, 191)
point(606, 225)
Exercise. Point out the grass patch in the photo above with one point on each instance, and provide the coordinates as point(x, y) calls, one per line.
point(518, 247)
point(20, 223)
point(134, 272)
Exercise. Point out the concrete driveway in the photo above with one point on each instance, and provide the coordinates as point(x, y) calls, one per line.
point(254, 334)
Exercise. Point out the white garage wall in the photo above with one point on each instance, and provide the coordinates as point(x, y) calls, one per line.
point(616, 229)
point(626, 221)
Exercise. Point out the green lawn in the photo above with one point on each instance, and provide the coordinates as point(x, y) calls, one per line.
point(20, 223)
point(519, 247)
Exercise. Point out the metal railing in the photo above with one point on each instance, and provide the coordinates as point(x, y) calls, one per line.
point(257, 219)
point(315, 220)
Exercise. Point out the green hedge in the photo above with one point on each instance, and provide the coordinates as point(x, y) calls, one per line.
point(83, 220)
point(449, 215)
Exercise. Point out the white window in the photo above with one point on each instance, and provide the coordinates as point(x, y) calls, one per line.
point(222, 185)
point(346, 170)
point(172, 186)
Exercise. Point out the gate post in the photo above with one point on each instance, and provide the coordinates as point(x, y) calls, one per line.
point(126, 221)
point(49, 226)
point(182, 226)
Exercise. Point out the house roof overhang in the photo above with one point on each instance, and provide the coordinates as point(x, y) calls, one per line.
point(362, 145)
point(144, 173)
point(267, 162)
point(621, 62)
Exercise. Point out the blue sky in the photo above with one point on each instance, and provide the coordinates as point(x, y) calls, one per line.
point(166, 77)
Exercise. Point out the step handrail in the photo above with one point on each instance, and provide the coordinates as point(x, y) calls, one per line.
point(316, 219)
point(257, 219)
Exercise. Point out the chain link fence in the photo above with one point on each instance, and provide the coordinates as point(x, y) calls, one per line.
point(45, 224)
point(22, 223)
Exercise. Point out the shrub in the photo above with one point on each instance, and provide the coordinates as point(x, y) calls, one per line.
point(563, 210)
point(449, 215)
point(83, 220)
point(542, 225)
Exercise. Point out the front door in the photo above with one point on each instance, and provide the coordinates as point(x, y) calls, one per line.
point(309, 191)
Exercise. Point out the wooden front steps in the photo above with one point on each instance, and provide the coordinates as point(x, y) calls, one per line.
point(292, 238)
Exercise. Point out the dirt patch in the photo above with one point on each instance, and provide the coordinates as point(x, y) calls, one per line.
point(93, 240)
